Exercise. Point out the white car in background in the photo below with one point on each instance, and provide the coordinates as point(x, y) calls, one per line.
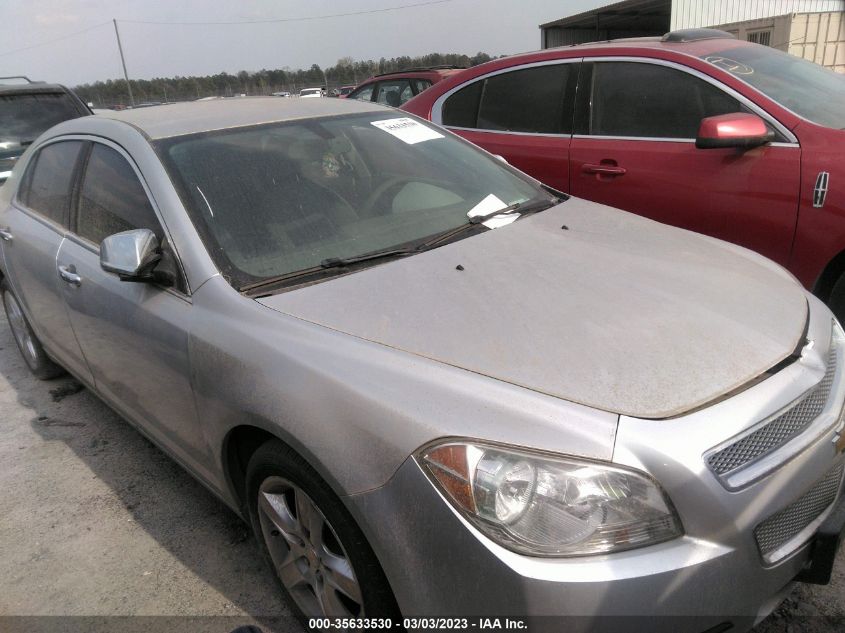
point(311, 92)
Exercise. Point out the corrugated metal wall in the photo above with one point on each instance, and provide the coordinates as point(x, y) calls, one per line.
point(819, 37)
point(555, 36)
point(697, 13)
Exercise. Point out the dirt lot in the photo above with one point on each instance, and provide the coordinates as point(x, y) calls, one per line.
point(95, 521)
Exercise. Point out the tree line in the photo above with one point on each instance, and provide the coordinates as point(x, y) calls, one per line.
point(347, 71)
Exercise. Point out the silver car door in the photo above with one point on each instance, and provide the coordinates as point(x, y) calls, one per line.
point(134, 335)
point(33, 227)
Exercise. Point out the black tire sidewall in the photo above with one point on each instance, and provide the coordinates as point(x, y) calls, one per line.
point(275, 458)
point(43, 368)
point(836, 301)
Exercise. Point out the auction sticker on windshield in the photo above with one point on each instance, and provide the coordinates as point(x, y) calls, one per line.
point(490, 204)
point(407, 130)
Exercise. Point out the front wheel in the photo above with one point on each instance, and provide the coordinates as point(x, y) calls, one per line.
point(28, 344)
point(319, 554)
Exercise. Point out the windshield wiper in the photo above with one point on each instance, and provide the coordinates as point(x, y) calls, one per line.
point(521, 207)
point(524, 208)
point(327, 266)
point(529, 206)
point(335, 262)
point(314, 271)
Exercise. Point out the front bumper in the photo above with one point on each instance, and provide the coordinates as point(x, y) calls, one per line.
point(824, 547)
point(439, 564)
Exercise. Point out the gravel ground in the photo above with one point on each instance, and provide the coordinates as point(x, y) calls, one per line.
point(96, 521)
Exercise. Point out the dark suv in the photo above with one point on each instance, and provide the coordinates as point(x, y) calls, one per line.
point(394, 89)
point(27, 109)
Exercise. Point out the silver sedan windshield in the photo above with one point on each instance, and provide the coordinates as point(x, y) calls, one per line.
point(273, 199)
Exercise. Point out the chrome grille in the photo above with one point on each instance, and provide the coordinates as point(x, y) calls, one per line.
point(780, 430)
point(780, 528)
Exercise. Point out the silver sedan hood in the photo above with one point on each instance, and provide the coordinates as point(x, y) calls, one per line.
point(611, 310)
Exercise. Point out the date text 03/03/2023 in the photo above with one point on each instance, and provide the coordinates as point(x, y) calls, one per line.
point(414, 624)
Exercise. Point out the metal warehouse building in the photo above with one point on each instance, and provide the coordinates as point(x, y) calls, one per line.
point(812, 29)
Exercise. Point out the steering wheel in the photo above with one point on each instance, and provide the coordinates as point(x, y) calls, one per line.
point(370, 208)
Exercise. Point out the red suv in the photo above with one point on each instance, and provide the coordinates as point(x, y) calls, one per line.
point(695, 129)
point(394, 89)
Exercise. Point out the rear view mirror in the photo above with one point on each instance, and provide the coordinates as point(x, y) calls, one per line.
point(738, 129)
point(132, 255)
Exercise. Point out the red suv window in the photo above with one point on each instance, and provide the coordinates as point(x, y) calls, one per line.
point(394, 92)
point(536, 100)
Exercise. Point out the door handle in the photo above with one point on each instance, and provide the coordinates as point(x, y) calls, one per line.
point(68, 273)
point(603, 169)
point(5, 235)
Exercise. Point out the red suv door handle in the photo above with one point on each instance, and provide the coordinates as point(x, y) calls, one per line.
point(603, 169)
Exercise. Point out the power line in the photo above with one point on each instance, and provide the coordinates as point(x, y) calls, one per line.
point(272, 21)
point(279, 20)
point(315, 17)
point(58, 39)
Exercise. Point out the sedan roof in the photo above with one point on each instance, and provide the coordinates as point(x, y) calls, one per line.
point(693, 47)
point(179, 119)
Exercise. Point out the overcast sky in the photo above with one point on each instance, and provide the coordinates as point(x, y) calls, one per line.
point(155, 50)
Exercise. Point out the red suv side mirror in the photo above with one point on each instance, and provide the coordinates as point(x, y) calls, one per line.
point(738, 129)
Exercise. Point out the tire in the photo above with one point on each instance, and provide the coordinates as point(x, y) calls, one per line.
point(836, 301)
point(28, 344)
point(286, 498)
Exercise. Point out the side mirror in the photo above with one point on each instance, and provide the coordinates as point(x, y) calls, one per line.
point(738, 129)
point(132, 255)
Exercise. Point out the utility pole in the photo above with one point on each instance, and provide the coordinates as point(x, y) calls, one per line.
point(123, 62)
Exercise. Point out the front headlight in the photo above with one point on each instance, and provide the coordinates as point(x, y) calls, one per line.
point(838, 333)
point(545, 505)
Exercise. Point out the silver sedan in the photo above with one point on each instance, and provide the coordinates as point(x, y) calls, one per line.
point(433, 386)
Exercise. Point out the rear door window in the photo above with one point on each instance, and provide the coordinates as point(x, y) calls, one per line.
point(49, 180)
point(420, 85)
point(533, 100)
point(394, 93)
point(461, 108)
point(651, 101)
point(527, 100)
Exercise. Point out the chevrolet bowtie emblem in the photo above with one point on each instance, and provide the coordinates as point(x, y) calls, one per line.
point(840, 442)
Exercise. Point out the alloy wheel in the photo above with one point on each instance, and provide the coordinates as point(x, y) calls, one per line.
point(20, 329)
point(306, 552)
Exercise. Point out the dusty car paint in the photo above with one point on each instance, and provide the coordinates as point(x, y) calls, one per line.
point(359, 372)
point(527, 311)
